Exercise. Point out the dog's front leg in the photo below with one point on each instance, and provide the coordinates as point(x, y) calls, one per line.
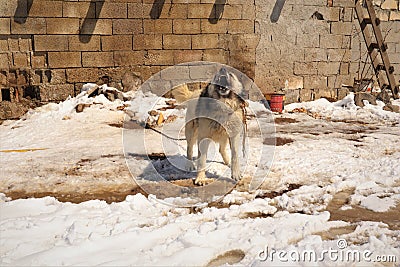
point(235, 166)
point(201, 178)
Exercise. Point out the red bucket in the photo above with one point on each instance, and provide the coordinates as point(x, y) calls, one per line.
point(277, 102)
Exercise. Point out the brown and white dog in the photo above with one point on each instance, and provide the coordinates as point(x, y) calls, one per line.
point(217, 114)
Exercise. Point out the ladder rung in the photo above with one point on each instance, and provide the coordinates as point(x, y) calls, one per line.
point(373, 46)
point(364, 23)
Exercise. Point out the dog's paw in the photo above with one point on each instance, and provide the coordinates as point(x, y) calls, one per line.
point(237, 177)
point(190, 166)
point(203, 181)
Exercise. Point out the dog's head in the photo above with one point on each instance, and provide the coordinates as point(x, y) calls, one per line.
point(226, 82)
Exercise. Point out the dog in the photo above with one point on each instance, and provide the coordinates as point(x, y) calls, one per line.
point(216, 113)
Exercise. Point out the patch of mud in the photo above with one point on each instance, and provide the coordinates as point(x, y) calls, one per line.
point(277, 141)
point(336, 232)
point(285, 120)
point(110, 194)
point(358, 214)
point(274, 194)
point(228, 258)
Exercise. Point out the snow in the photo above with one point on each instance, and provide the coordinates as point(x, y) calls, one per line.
point(81, 152)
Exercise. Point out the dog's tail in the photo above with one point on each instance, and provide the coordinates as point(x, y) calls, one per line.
point(182, 93)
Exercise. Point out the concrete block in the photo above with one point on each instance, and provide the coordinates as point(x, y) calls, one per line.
point(5, 26)
point(307, 40)
point(235, 12)
point(128, 26)
point(51, 42)
point(331, 41)
point(74, 9)
point(157, 26)
point(220, 27)
point(390, 5)
point(306, 95)
point(174, 11)
point(31, 26)
point(305, 68)
point(64, 59)
point(74, 44)
point(147, 41)
point(97, 59)
point(315, 82)
point(216, 55)
point(46, 9)
point(129, 58)
point(205, 41)
point(344, 28)
point(394, 15)
point(177, 41)
point(292, 96)
point(200, 11)
point(136, 11)
point(241, 26)
point(159, 57)
point(38, 60)
point(82, 75)
point(186, 26)
point(20, 60)
point(62, 25)
point(182, 56)
point(116, 42)
point(58, 92)
point(114, 10)
point(315, 54)
point(249, 11)
point(328, 68)
point(97, 27)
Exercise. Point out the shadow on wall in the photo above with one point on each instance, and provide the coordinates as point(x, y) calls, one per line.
point(89, 23)
point(22, 11)
point(215, 15)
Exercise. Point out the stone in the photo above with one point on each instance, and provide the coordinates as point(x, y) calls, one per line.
point(392, 108)
point(389, 4)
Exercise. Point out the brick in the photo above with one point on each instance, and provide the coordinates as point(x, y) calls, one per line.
point(328, 68)
point(62, 26)
point(116, 42)
point(159, 57)
point(200, 11)
point(8, 8)
point(315, 54)
point(182, 56)
point(233, 12)
point(97, 27)
point(242, 41)
point(78, 10)
point(241, 26)
point(315, 82)
point(3, 45)
point(82, 75)
point(5, 26)
point(64, 59)
point(177, 41)
point(307, 40)
point(114, 10)
point(205, 41)
point(51, 42)
point(13, 45)
point(25, 44)
point(394, 16)
point(31, 26)
point(341, 28)
point(157, 26)
point(216, 55)
point(302, 68)
point(92, 43)
point(127, 26)
point(5, 61)
point(128, 58)
point(147, 41)
point(46, 9)
point(331, 41)
point(57, 92)
point(389, 4)
point(220, 27)
point(135, 10)
point(249, 11)
point(38, 60)
point(97, 59)
point(174, 11)
point(186, 26)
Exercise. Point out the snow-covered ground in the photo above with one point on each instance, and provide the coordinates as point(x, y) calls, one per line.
point(323, 149)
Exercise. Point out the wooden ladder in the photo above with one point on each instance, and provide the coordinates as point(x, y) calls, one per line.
point(377, 49)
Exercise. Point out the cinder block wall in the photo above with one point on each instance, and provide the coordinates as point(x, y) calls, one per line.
point(54, 46)
point(317, 45)
point(60, 44)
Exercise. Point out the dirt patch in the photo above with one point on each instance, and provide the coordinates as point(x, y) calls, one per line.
point(113, 194)
point(277, 141)
point(290, 187)
point(336, 232)
point(228, 258)
point(358, 214)
point(285, 120)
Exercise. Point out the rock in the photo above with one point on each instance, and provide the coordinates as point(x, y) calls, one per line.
point(384, 97)
point(392, 108)
point(153, 113)
point(80, 107)
point(359, 97)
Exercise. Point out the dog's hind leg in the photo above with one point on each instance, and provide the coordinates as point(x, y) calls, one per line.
point(235, 147)
point(201, 178)
point(191, 137)
point(222, 150)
